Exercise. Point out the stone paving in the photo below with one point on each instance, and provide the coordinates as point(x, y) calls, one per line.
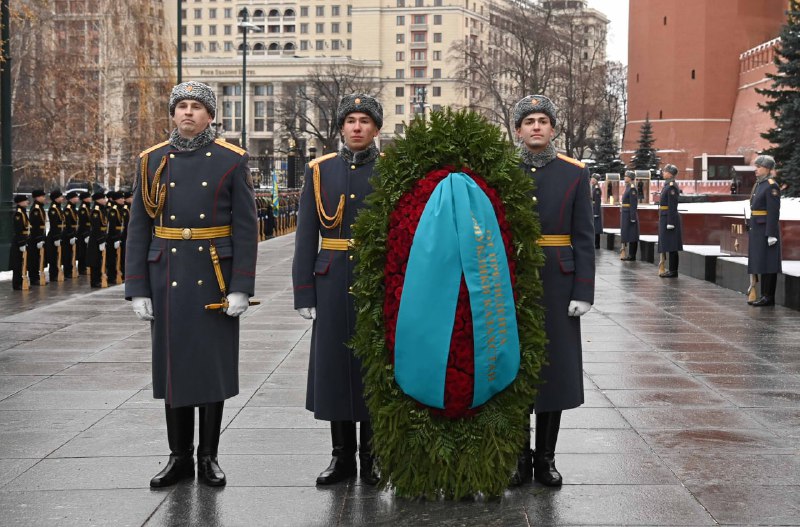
point(692, 417)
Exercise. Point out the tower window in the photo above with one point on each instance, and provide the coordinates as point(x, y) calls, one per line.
point(692, 74)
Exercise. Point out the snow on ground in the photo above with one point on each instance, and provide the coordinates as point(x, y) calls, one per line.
point(790, 208)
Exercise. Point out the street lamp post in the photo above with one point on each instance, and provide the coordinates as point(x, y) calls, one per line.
point(246, 26)
point(419, 98)
point(180, 41)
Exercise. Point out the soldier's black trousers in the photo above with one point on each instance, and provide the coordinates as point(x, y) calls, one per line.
point(769, 282)
point(632, 248)
point(673, 261)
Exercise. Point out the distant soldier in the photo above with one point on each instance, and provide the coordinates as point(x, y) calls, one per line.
point(629, 218)
point(116, 226)
point(127, 199)
point(55, 236)
point(69, 253)
point(96, 250)
point(19, 246)
point(38, 219)
point(597, 210)
point(764, 247)
point(84, 228)
point(670, 240)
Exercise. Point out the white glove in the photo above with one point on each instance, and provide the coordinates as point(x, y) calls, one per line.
point(86, 240)
point(23, 249)
point(143, 307)
point(39, 245)
point(596, 215)
point(237, 304)
point(102, 247)
point(308, 313)
point(578, 308)
point(57, 243)
point(116, 244)
point(633, 221)
point(772, 241)
point(670, 227)
point(72, 241)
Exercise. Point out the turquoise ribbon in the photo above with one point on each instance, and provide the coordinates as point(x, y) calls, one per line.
point(457, 235)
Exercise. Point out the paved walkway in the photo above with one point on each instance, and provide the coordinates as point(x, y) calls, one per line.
point(692, 417)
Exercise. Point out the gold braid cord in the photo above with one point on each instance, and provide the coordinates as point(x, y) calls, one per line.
point(153, 199)
point(329, 222)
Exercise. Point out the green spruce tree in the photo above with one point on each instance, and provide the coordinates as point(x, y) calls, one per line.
point(606, 152)
point(784, 103)
point(645, 157)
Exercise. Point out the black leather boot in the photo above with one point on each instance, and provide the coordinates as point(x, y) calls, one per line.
point(524, 472)
point(369, 473)
point(208, 470)
point(180, 435)
point(544, 457)
point(343, 464)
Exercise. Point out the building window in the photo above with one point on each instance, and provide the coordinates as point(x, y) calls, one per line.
point(349, 10)
point(401, 3)
point(198, 30)
point(400, 20)
point(304, 29)
point(319, 27)
point(436, 107)
point(400, 38)
point(419, 3)
point(437, 37)
point(418, 73)
point(437, 20)
point(437, 91)
point(419, 37)
point(419, 19)
point(320, 10)
point(263, 89)
point(198, 14)
point(212, 30)
point(692, 74)
point(349, 27)
point(228, 30)
point(399, 128)
point(232, 116)
point(437, 73)
point(198, 47)
point(228, 46)
point(320, 45)
point(304, 45)
point(665, 21)
point(400, 55)
point(258, 115)
point(334, 27)
point(349, 44)
point(399, 91)
point(304, 11)
point(184, 31)
point(437, 55)
point(398, 109)
point(437, 3)
point(400, 73)
point(335, 10)
point(228, 12)
point(418, 55)
point(335, 44)
point(213, 47)
point(212, 13)
point(231, 90)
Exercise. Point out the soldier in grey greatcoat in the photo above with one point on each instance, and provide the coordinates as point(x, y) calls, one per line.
point(564, 205)
point(629, 217)
point(670, 240)
point(597, 210)
point(334, 191)
point(764, 232)
point(193, 217)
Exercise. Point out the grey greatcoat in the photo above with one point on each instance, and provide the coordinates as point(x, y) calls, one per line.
point(669, 240)
point(564, 205)
point(597, 208)
point(765, 212)
point(322, 279)
point(629, 215)
point(195, 351)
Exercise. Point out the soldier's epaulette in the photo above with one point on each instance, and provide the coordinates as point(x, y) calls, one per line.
point(571, 160)
point(233, 148)
point(319, 160)
point(154, 147)
point(771, 181)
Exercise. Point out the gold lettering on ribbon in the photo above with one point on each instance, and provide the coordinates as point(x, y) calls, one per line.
point(493, 299)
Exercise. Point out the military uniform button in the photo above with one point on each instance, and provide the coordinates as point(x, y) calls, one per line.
point(533, 169)
point(204, 183)
point(352, 196)
point(174, 284)
point(200, 248)
point(172, 156)
point(351, 256)
point(208, 154)
point(172, 184)
point(199, 282)
point(174, 250)
point(534, 199)
point(172, 217)
point(352, 167)
point(350, 289)
point(202, 216)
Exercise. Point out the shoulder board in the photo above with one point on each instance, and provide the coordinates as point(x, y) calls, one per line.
point(229, 146)
point(571, 160)
point(319, 160)
point(771, 181)
point(154, 147)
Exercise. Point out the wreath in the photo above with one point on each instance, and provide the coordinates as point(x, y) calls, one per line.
point(458, 450)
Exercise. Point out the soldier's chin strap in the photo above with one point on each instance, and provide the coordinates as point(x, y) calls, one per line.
point(223, 304)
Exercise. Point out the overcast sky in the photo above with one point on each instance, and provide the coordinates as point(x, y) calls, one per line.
point(617, 13)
